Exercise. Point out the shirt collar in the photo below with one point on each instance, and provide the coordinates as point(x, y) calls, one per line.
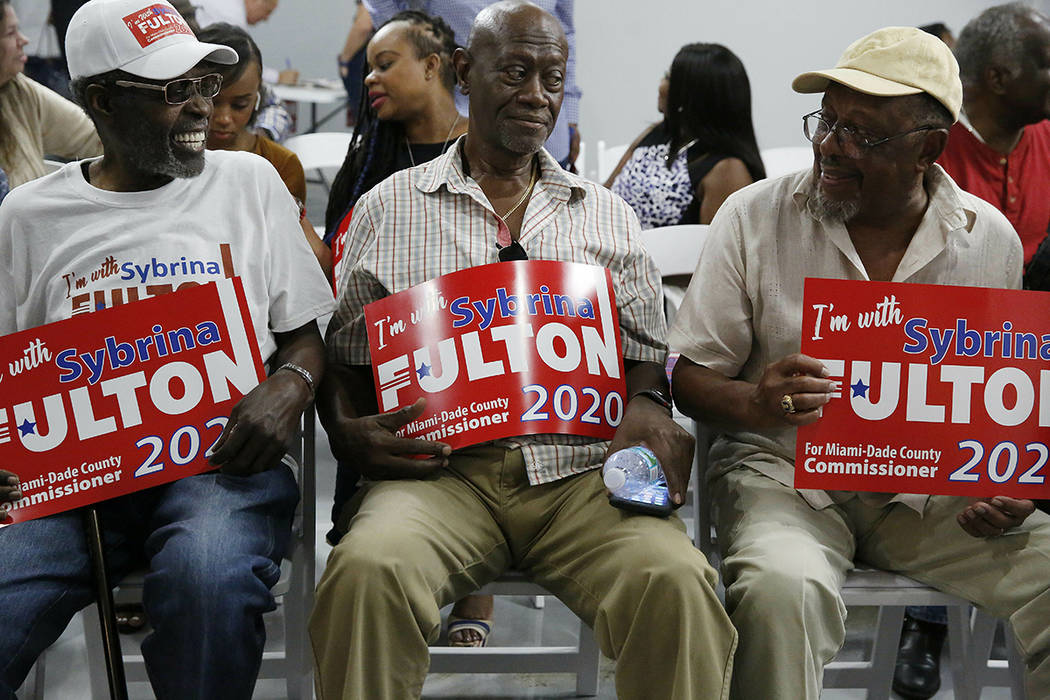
point(447, 170)
point(945, 213)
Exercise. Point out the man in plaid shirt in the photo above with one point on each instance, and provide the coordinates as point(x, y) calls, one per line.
point(430, 526)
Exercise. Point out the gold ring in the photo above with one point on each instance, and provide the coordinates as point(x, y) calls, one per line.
point(787, 404)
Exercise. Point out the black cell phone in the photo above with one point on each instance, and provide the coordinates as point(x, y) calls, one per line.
point(652, 500)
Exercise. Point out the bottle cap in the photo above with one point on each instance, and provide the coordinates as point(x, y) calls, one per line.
point(614, 479)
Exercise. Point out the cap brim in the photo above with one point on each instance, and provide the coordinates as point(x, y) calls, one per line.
point(175, 60)
point(817, 81)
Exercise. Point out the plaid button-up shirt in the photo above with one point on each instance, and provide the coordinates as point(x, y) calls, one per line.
point(433, 219)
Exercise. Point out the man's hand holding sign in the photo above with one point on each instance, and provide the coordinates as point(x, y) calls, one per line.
point(264, 423)
point(456, 365)
point(136, 402)
point(906, 364)
point(509, 295)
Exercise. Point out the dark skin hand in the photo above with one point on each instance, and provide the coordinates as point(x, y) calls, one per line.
point(10, 491)
point(362, 436)
point(992, 517)
point(712, 397)
point(264, 422)
point(647, 423)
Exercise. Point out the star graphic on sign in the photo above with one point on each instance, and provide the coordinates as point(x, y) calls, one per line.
point(423, 370)
point(860, 388)
point(27, 427)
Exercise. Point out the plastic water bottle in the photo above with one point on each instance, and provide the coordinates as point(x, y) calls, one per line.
point(631, 469)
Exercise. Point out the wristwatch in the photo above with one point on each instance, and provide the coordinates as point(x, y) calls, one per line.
point(658, 395)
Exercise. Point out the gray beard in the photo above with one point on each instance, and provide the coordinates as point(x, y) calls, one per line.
point(826, 209)
point(152, 155)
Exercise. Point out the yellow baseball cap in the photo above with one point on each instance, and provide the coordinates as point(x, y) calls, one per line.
point(890, 62)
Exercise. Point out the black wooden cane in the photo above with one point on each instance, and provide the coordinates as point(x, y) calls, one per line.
point(118, 687)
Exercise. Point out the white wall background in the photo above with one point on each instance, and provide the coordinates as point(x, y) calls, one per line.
point(625, 46)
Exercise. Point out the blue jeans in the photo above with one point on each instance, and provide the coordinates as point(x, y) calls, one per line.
point(213, 544)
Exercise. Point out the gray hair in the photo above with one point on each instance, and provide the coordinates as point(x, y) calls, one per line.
point(996, 36)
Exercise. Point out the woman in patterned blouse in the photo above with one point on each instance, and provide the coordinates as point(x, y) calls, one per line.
point(680, 170)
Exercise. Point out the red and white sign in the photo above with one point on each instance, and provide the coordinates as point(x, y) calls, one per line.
point(154, 23)
point(944, 390)
point(123, 399)
point(512, 348)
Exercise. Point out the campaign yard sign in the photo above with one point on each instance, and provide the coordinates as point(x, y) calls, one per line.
point(126, 398)
point(511, 348)
point(944, 390)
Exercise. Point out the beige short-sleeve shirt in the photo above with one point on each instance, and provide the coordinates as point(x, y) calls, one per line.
point(743, 308)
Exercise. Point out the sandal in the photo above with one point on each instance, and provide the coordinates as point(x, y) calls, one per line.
point(457, 626)
point(130, 617)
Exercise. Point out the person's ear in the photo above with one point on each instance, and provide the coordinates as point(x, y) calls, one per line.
point(432, 66)
point(933, 144)
point(462, 61)
point(995, 78)
point(99, 100)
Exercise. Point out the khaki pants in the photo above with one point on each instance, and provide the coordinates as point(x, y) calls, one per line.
point(415, 546)
point(785, 563)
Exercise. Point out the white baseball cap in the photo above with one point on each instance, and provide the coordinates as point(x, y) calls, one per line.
point(147, 38)
point(893, 61)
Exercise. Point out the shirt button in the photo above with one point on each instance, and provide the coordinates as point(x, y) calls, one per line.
point(1013, 199)
point(1009, 179)
point(1002, 161)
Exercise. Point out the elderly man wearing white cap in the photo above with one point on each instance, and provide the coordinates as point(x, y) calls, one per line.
point(875, 206)
point(213, 542)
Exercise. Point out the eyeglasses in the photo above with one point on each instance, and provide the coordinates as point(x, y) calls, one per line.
point(514, 251)
point(180, 91)
point(853, 142)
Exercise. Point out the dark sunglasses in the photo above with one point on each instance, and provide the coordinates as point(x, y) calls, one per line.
point(180, 91)
point(514, 251)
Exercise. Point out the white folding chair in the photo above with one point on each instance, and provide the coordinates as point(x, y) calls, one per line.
point(608, 157)
point(675, 250)
point(996, 673)
point(787, 159)
point(322, 151)
point(294, 591)
point(581, 660)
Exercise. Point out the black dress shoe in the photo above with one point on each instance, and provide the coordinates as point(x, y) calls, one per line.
point(918, 672)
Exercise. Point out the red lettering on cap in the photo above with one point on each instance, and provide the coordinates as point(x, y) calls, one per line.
point(155, 23)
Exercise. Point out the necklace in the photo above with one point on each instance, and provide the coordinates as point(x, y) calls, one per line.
point(524, 195)
point(452, 128)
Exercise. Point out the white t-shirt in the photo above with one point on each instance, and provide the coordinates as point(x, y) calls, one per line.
point(67, 247)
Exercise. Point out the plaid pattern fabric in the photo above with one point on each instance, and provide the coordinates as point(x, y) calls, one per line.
point(272, 116)
point(431, 220)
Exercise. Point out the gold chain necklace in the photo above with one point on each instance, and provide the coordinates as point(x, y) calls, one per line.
point(525, 194)
point(452, 128)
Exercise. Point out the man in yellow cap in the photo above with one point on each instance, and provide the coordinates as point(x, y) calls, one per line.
point(875, 206)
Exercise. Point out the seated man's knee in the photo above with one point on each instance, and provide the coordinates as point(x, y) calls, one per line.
point(365, 561)
point(783, 583)
point(198, 578)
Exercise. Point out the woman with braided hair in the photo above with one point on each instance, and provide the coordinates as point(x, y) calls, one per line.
point(407, 117)
point(407, 114)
